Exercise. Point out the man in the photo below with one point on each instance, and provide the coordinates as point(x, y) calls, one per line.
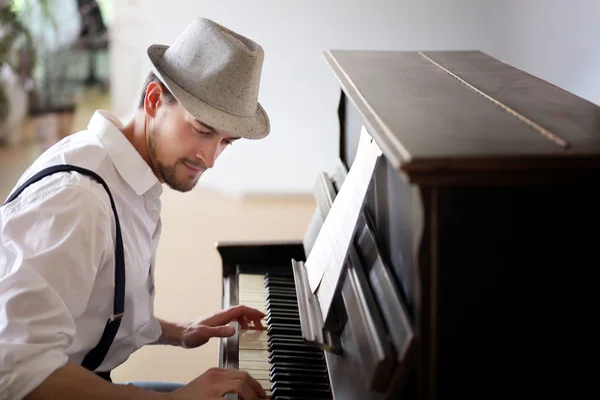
point(64, 321)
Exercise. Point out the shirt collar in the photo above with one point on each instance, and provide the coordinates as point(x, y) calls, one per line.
point(128, 162)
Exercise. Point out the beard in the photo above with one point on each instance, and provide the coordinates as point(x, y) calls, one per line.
point(168, 173)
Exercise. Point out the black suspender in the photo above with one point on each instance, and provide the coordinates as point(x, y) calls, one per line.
point(95, 357)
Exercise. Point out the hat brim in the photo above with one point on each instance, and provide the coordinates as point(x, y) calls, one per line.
point(255, 127)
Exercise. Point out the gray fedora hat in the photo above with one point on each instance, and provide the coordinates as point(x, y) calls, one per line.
point(215, 74)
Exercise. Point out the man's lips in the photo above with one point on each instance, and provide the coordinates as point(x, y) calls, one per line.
point(193, 167)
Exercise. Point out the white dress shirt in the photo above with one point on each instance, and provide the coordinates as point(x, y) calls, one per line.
point(57, 258)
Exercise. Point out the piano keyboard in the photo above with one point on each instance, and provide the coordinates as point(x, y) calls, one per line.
point(277, 357)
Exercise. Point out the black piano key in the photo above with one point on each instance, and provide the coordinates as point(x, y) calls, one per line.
point(282, 299)
point(283, 329)
point(280, 289)
point(280, 397)
point(297, 353)
point(276, 306)
point(276, 295)
point(282, 293)
point(287, 277)
point(283, 344)
point(279, 330)
point(301, 389)
point(279, 301)
point(298, 377)
point(294, 347)
point(280, 286)
point(278, 391)
point(298, 370)
point(280, 319)
point(289, 297)
point(284, 326)
point(281, 306)
point(282, 339)
point(316, 371)
point(298, 360)
point(308, 385)
point(287, 338)
point(285, 318)
point(284, 313)
point(279, 275)
point(279, 282)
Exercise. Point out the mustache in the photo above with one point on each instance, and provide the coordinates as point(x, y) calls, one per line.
point(197, 164)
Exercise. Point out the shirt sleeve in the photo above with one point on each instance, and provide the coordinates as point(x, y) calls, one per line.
point(52, 243)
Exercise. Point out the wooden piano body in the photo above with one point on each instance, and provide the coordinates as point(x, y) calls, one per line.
point(469, 273)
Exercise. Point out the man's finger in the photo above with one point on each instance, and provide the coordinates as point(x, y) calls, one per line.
point(235, 374)
point(232, 314)
point(203, 333)
point(223, 317)
point(258, 324)
point(241, 310)
point(243, 323)
point(238, 386)
point(217, 331)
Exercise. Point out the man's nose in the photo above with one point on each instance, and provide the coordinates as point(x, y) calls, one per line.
point(209, 153)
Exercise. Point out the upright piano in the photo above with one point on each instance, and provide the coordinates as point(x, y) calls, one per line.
point(468, 272)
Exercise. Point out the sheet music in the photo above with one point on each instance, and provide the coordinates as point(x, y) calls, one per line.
point(329, 251)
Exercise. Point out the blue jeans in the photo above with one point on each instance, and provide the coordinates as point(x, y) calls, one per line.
point(156, 386)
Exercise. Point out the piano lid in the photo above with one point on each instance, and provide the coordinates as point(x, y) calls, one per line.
point(456, 113)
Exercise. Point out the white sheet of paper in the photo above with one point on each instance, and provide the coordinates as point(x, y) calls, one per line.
point(331, 245)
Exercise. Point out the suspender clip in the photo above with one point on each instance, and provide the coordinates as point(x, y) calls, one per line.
point(115, 317)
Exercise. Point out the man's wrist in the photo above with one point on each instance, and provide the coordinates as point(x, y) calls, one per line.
point(172, 333)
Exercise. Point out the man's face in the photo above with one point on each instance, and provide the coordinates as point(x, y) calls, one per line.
point(180, 147)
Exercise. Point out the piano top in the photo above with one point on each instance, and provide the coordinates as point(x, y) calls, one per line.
point(446, 115)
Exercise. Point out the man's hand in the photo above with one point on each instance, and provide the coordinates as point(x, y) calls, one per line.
point(216, 383)
point(199, 332)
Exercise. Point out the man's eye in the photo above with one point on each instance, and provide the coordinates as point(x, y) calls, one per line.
point(202, 132)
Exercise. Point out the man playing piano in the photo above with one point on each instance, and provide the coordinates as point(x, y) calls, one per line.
point(78, 240)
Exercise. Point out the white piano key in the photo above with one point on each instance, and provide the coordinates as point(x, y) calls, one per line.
point(253, 303)
point(254, 289)
point(260, 365)
point(253, 335)
point(265, 383)
point(253, 355)
point(252, 295)
point(254, 345)
point(259, 374)
point(251, 281)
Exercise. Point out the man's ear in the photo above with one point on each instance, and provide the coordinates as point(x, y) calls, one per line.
point(153, 101)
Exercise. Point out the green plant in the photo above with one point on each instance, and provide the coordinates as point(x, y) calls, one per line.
point(11, 30)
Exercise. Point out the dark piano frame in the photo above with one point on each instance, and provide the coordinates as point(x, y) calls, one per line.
point(486, 241)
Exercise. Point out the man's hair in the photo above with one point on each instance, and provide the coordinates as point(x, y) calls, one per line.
point(168, 96)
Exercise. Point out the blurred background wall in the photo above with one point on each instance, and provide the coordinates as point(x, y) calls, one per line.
point(554, 39)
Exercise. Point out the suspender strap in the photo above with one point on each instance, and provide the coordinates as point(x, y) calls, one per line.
point(95, 357)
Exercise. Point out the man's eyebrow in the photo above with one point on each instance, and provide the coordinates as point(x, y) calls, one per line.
point(210, 128)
